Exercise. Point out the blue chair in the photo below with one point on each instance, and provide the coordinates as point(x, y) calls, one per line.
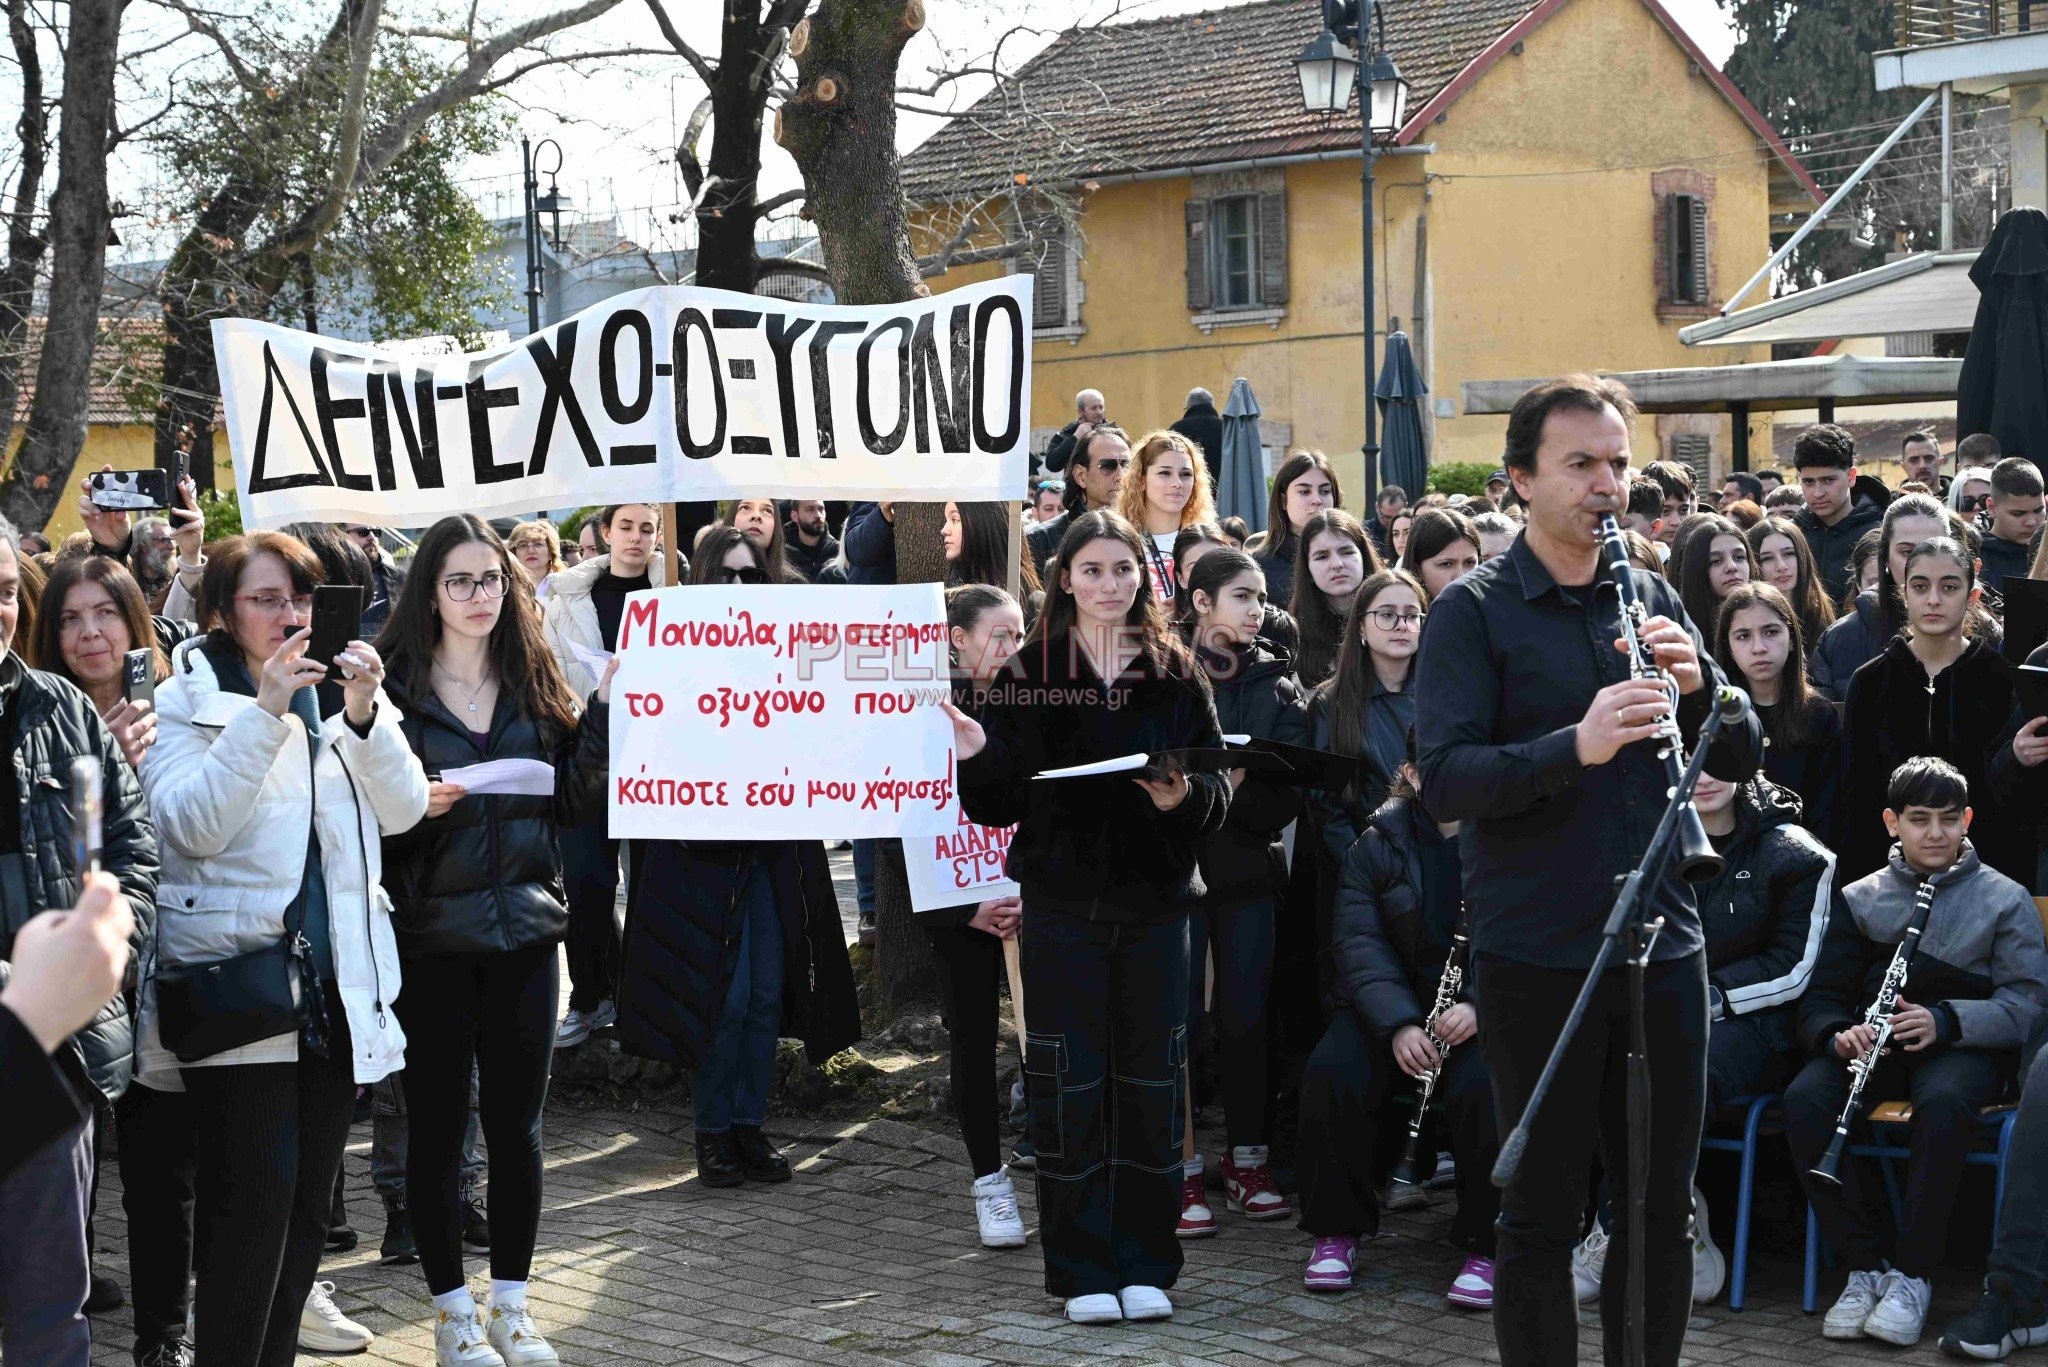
point(1886, 1122)
point(1757, 1112)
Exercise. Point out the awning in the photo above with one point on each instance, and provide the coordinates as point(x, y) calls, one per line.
point(1925, 292)
point(1761, 387)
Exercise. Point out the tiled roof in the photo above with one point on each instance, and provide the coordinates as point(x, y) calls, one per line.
point(1190, 89)
point(127, 362)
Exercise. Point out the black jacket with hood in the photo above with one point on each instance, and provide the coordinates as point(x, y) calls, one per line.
point(1834, 547)
point(1855, 639)
point(1389, 939)
point(1767, 913)
point(1256, 695)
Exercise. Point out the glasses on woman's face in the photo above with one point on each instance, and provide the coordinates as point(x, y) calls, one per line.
point(271, 604)
point(747, 575)
point(1386, 619)
point(460, 588)
point(1971, 503)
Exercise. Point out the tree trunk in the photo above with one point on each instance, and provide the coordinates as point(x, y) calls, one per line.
point(25, 245)
point(725, 216)
point(79, 221)
point(840, 126)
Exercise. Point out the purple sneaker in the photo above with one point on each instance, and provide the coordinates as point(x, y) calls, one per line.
point(1473, 1288)
point(1329, 1266)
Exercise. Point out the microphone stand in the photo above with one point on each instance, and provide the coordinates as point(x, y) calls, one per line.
point(1627, 933)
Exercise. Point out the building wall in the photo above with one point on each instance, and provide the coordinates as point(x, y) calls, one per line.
point(1531, 263)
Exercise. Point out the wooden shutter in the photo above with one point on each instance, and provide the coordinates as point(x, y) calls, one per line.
point(1273, 247)
point(1049, 267)
point(1698, 228)
point(1686, 240)
point(1198, 255)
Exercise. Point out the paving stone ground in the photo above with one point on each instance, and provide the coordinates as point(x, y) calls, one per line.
point(870, 1257)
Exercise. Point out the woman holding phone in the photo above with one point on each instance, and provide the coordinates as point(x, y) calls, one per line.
point(92, 614)
point(479, 910)
point(1107, 870)
point(272, 785)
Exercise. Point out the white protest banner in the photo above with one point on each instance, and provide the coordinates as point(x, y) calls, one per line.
point(781, 712)
point(654, 396)
point(957, 866)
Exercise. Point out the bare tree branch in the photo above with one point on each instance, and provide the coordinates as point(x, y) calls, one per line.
point(686, 148)
point(765, 207)
point(200, 24)
point(789, 265)
point(939, 263)
point(675, 40)
point(314, 224)
point(499, 82)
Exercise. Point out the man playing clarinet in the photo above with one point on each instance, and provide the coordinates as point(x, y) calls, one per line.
point(1533, 732)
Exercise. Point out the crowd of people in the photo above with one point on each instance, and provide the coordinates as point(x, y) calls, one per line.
point(297, 918)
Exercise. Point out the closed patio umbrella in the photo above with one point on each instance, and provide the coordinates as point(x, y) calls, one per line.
point(2004, 385)
point(1241, 491)
point(1404, 459)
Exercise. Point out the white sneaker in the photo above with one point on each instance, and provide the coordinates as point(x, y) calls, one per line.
point(1709, 1268)
point(1100, 1308)
point(1901, 1311)
point(575, 1029)
point(605, 1016)
point(511, 1332)
point(324, 1329)
point(995, 1208)
point(1145, 1303)
point(1846, 1316)
point(1589, 1261)
point(460, 1341)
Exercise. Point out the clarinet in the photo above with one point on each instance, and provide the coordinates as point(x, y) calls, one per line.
point(1879, 1019)
point(1695, 858)
point(1447, 988)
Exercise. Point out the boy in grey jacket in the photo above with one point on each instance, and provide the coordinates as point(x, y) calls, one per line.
point(1975, 991)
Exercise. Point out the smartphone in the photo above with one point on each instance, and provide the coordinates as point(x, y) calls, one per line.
point(138, 676)
point(181, 462)
point(337, 620)
point(130, 490)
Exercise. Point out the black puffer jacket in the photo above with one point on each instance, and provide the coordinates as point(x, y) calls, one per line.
point(51, 723)
point(1852, 642)
point(1766, 915)
point(1096, 843)
point(1387, 945)
point(1276, 561)
point(682, 947)
point(1894, 714)
point(486, 875)
point(1256, 695)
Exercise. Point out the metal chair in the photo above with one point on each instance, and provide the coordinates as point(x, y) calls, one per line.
point(1757, 1112)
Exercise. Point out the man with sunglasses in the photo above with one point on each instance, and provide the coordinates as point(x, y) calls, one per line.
point(1095, 476)
point(386, 577)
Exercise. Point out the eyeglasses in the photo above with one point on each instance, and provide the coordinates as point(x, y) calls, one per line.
point(1386, 619)
point(1970, 503)
point(272, 604)
point(749, 575)
point(462, 587)
point(1110, 467)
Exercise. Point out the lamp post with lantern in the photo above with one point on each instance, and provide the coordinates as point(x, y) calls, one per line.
point(535, 204)
point(1328, 69)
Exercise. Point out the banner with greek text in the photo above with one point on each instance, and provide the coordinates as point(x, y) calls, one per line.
point(782, 713)
point(655, 396)
point(958, 866)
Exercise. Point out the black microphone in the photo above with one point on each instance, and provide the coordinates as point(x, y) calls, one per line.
point(1732, 703)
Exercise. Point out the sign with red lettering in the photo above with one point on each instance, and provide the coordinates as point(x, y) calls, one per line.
point(958, 866)
point(651, 396)
point(784, 712)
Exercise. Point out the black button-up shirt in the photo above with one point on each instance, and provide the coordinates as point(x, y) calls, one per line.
point(1510, 660)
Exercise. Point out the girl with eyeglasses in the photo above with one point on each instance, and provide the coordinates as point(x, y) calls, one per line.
point(273, 783)
point(537, 546)
point(727, 941)
point(1366, 708)
point(480, 911)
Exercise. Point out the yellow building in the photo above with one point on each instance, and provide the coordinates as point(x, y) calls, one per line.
point(121, 411)
point(1574, 182)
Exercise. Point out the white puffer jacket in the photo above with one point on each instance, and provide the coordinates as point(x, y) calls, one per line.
point(572, 617)
point(233, 798)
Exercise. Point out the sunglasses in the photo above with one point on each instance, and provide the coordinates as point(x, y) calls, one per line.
point(1970, 503)
point(749, 575)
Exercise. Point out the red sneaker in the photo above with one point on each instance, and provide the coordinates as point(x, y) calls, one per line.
point(1197, 1221)
point(1250, 1191)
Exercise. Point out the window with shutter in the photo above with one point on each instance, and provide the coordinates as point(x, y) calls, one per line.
point(1198, 255)
point(1048, 264)
point(1687, 239)
point(1234, 252)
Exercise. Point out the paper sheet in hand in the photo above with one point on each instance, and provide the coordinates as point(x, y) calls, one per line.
point(596, 661)
point(530, 777)
point(1193, 761)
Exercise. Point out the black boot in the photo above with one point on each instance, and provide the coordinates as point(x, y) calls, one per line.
point(104, 1296)
point(398, 1246)
point(758, 1158)
point(718, 1164)
point(340, 1237)
point(476, 1226)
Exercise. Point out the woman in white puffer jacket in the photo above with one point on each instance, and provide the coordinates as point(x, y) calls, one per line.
point(271, 796)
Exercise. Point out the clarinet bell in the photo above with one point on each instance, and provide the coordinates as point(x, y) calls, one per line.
point(1829, 1169)
point(1696, 860)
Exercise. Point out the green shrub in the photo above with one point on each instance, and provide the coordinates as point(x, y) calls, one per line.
point(223, 513)
point(1460, 477)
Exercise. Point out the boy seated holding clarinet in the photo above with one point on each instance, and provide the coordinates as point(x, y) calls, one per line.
point(1940, 965)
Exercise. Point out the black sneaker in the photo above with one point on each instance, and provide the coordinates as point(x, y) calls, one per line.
point(718, 1163)
point(398, 1246)
point(758, 1158)
point(476, 1226)
point(104, 1296)
point(1999, 1323)
point(177, 1353)
point(342, 1239)
point(1024, 1154)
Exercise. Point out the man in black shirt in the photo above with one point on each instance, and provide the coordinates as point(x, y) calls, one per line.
point(1533, 734)
point(1095, 476)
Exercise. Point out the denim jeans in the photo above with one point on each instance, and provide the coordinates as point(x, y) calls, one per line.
point(864, 876)
point(1241, 934)
point(2022, 1249)
point(731, 1086)
point(388, 1132)
point(44, 1269)
point(1104, 1047)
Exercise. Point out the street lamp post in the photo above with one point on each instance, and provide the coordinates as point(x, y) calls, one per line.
point(535, 204)
point(1327, 69)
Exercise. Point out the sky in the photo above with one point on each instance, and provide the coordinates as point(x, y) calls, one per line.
point(618, 129)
